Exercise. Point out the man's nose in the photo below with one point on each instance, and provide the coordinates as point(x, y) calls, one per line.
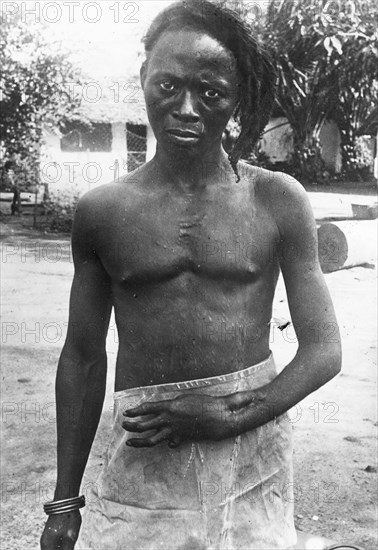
point(186, 110)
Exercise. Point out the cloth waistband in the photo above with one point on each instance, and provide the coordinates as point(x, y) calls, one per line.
point(200, 382)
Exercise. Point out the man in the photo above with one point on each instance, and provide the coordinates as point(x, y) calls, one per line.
point(188, 251)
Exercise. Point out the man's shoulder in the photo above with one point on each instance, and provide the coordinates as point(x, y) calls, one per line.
point(99, 196)
point(281, 190)
point(271, 180)
point(108, 198)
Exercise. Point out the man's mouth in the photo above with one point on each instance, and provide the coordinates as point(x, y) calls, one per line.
point(184, 136)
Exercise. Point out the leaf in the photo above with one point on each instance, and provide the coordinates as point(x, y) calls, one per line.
point(327, 45)
point(302, 93)
point(337, 44)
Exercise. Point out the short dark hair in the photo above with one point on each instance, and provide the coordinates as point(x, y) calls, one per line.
point(254, 65)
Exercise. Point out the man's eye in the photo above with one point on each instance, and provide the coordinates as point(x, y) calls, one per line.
point(167, 86)
point(211, 94)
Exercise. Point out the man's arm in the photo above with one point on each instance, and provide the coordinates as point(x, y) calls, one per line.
point(81, 375)
point(318, 358)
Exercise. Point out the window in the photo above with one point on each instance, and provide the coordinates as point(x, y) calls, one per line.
point(136, 139)
point(78, 137)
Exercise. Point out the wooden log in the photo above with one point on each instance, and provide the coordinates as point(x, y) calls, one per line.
point(347, 244)
point(365, 211)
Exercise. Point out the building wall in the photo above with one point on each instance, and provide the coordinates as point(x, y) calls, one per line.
point(82, 171)
point(277, 143)
point(78, 172)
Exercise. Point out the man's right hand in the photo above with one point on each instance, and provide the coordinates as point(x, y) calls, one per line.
point(61, 531)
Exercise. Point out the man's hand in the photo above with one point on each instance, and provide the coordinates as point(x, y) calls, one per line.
point(185, 418)
point(61, 531)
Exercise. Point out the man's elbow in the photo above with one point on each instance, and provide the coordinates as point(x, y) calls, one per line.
point(335, 360)
point(83, 356)
point(324, 347)
point(326, 360)
point(332, 360)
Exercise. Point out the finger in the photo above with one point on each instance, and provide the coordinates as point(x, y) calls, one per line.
point(151, 441)
point(143, 426)
point(151, 407)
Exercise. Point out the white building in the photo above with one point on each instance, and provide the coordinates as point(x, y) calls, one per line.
point(110, 137)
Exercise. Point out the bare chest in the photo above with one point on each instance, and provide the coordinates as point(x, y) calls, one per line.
point(225, 236)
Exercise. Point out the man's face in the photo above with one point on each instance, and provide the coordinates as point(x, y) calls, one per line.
point(190, 85)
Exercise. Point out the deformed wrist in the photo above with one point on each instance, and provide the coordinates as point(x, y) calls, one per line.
point(251, 410)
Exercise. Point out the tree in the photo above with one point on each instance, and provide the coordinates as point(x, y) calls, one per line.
point(292, 34)
point(326, 54)
point(36, 84)
point(355, 78)
point(327, 59)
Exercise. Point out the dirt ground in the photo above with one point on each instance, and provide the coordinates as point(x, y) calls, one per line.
point(335, 428)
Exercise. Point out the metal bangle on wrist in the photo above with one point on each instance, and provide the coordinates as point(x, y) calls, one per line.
point(54, 507)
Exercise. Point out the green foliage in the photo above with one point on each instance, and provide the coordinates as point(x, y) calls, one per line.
point(35, 90)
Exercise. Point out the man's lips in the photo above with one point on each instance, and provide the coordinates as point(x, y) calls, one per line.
point(183, 133)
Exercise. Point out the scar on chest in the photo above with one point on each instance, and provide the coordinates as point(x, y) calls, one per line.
point(194, 221)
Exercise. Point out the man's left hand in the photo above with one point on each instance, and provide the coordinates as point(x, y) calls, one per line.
point(185, 418)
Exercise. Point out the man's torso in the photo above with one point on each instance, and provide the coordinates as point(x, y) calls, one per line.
point(193, 276)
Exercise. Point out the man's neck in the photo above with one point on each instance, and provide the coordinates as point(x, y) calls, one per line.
point(189, 174)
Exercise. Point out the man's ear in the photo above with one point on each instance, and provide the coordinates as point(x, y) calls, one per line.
point(143, 73)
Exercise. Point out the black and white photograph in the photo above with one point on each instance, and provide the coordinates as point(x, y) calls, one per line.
point(188, 213)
